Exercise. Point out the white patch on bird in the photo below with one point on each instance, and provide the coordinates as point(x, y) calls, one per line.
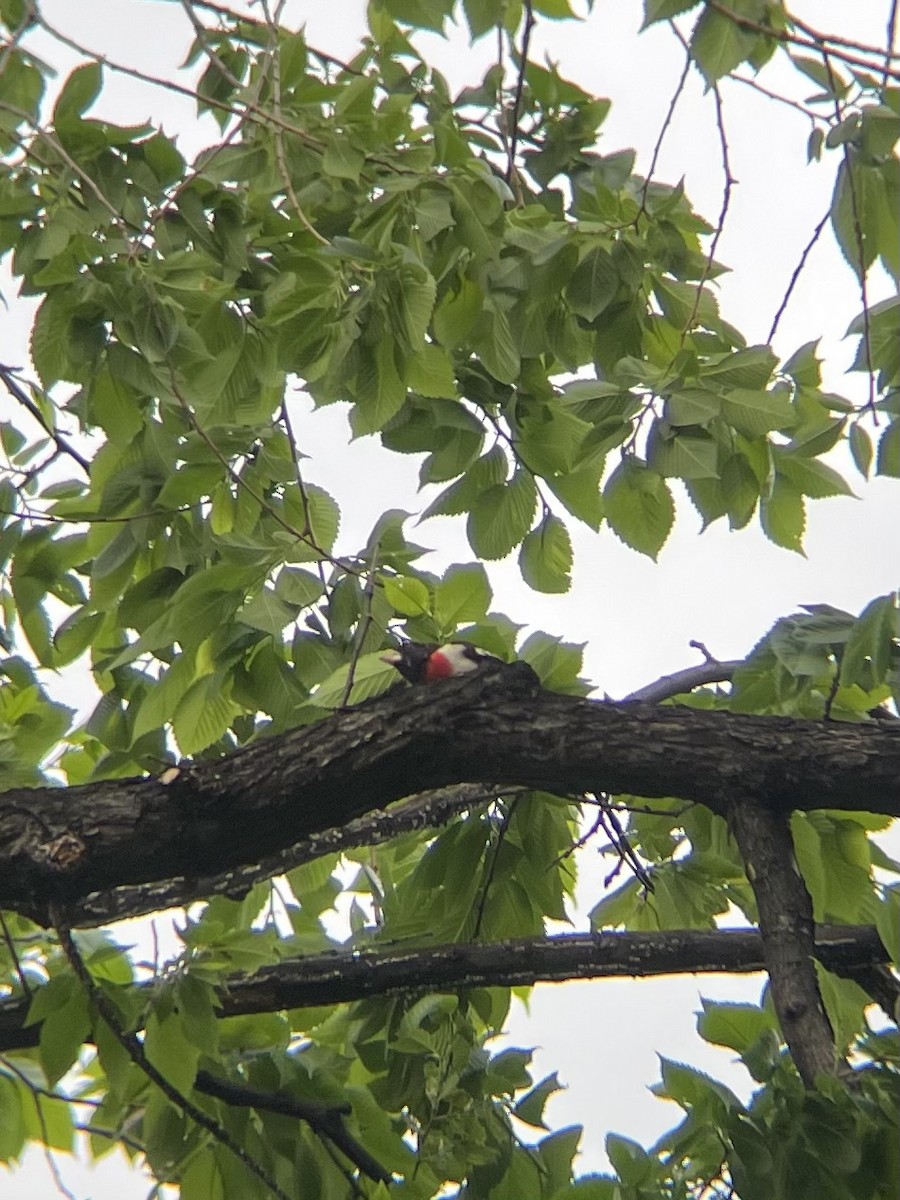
point(458, 657)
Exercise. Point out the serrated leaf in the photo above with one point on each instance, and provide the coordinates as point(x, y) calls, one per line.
point(501, 516)
point(684, 457)
point(203, 714)
point(664, 10)
point(157, 707)
point(811, 477)
point(488, 471)
point(495, 345)
point(456, 314)
point(718, 45)
point(782, 515)
point(371, 677)
point(593, 285)
point(867, 654)
point(298, 587)
point(692, 406)
point(887, 461)
point(267, 612)
point(748, 368)
point(861, 449)
point(638, 506)
point(430, 373)
point(756, 412)
point(545, 559)
point(78, 93)
point(406, 595)
point(464, 594)
point(342, 160)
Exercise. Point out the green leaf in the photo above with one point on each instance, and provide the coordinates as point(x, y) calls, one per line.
point(718, 45)
point(342, 160)
point(493, 340)
point(170, 1050)
point(406, 595)
point(501, 516)
point(530, 1108)
point(782, 515)
point(692, 406)
point(430, 373)
point(488, 471)
point(811, 477)
point(751, 368)
point(664, 10)
point(861, 449)
point(158, 706)
point(869, 648)
point(12, 1127)
point(755, 412)
point(887, 461)
point(594, 284)
point(737, 1026)
point(639, 507)
point(546, 557)
point(268, 612)
point(203, 714)
point(62, 1007)
point(315, 514)
point(464, 594)
point(371, 677)
point(683, 456)
point(887, 922)
point(78, 93)
point(456, 314)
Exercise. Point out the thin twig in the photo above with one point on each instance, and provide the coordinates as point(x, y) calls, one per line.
point(814, 42)
point(492, 865)
point(18, 393)
point(858, 236)
point(664, 128)
point(135, 1051)
point(362, 628)
point(37, 1095)
point(14, 955)
point(727, 186)
point(891, 36)
point(246, 109)
point(517, 94)
point(795, 275)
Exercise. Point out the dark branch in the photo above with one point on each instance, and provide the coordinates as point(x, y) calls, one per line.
point(788, 935)
point(325, 1120)
point(496, 726)
point(852, 951)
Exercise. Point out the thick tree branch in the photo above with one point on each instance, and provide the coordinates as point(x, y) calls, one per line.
point(849, 950)
point(496, 726)
point(428, 810)
point(787, 930)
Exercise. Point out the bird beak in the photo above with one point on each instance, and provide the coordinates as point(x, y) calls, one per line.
point(392, 657)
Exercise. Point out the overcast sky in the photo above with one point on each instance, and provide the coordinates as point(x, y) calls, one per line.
point(636, 617)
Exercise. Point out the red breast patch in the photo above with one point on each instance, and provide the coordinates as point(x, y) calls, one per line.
point(438, 666)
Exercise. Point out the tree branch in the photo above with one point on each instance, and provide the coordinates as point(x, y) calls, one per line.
point(787, 930)
point(849, 950)
point(496, 726)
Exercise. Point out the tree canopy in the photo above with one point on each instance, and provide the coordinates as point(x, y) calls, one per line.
point(368, 872)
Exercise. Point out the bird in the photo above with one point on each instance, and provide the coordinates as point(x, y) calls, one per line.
point(426, 662)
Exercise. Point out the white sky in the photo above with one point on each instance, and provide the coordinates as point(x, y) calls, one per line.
point(637, 617)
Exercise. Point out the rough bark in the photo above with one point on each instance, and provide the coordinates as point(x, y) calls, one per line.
point(849, 950)
point(497, 726)
point(788, 935)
